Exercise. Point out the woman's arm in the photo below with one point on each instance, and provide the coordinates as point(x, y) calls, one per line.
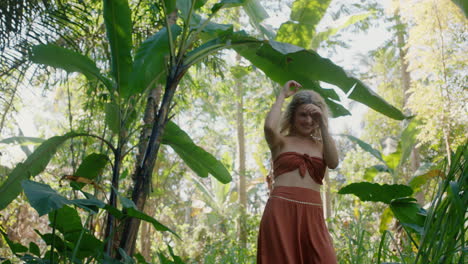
point(330, 153)
point(271, 127)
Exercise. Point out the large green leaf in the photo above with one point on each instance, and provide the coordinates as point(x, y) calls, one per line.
point(366, 147)
point(184, 7)
point(89, 245)
point(34, 249)
point(170, 5)
point(56, 240)
point(68, 60)
point(33, 165)
point(305, 15)
point(67, 220)
point(257, 14)
point(200, 3)
point(409, 213)
point(200, 161)
point(117, 17)
point(132, 211)
point(113, 116)
point(385, 219)
point(226, 4)
point(43, 198)
point(457, 195)
point(282, 62)
point(371, 172)
point(209, 29)
point(463, 4)
point(275, 65)
point(149, 65)
point(90, 168)
point(15, 247)
point(393, 159)
point(309, 12)
point(425, 172)
point(222, 37)
point(408, 139)
point(297, 34)
point(375, 192)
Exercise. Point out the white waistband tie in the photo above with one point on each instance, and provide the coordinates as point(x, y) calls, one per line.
point(291, 200)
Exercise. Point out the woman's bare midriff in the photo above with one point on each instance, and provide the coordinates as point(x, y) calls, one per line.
point(294, 179)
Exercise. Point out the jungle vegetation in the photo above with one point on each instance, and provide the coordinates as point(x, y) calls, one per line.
point(131, 130)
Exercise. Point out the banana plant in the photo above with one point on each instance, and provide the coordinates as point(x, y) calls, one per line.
point(398, 196)
point(438, 232)
point(164, 59)
point(305, 15)
point(393, 162)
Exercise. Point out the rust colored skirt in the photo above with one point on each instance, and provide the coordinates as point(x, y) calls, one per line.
point(293, 230)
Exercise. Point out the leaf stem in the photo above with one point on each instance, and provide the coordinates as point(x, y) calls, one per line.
point(75, 250)
point(171, 43)
point(52, 249)
point(185, 34)
point(199, 29)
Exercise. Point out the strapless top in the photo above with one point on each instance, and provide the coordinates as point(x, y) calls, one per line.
point(289, 161)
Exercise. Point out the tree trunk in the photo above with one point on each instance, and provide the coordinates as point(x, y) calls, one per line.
point(241, 143)
point(149, 147)
point(152, 103)
point(146, 235)
point(111, 233)
point(144, 170)
point(406, 84)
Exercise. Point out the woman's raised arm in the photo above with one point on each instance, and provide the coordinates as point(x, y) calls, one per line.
point(271, 127)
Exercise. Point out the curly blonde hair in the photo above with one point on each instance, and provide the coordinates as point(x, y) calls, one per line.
point(300, 98)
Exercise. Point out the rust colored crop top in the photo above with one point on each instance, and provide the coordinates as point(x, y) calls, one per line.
point(289, 161)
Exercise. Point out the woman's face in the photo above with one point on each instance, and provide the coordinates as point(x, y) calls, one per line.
point(303, 123)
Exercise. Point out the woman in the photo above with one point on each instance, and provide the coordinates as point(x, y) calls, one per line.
point(292, 229)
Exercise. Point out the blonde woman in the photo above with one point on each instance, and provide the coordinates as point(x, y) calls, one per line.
point(292, 229)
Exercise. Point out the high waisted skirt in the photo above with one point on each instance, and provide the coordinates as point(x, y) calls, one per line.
point(293, 230)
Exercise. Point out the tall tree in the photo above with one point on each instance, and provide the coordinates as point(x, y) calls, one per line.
point(437, 62)
point(242, 159)
point(401, 31)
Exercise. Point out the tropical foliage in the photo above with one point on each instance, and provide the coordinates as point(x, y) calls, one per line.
point(135, 159)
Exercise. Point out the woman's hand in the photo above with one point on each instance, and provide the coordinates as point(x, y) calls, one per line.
point(287, 88)
point(315, 112)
